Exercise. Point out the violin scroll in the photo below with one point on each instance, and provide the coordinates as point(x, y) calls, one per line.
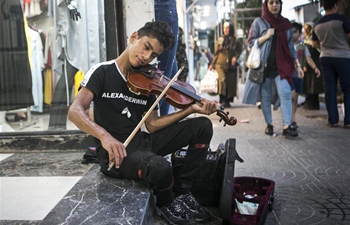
point(224, 116)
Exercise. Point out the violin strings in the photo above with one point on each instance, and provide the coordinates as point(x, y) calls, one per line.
point(186, 91)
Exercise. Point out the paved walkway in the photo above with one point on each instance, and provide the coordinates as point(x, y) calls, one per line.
point(311, 171)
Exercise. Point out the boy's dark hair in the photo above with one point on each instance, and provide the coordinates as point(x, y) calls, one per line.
point(328, 4)
point(297, 26)
point(159, 30)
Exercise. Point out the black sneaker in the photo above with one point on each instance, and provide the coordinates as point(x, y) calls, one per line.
point(294, 126)
point(289, 132)
point(200, 213)
point(269, 130)
point(175, 213)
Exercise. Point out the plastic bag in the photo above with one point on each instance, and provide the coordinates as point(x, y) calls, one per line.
point(247, 208)
point(209, 83)
point(253, 61)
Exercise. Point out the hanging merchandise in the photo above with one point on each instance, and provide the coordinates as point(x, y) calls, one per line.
point(79, 44)
point(37, 62)
point(79, 33)
point(15, 73)
point(48, 89)
point(31, 8)
point(49, 81)
point(79, 76)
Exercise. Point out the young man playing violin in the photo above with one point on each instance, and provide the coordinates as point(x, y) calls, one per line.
point(117, 111)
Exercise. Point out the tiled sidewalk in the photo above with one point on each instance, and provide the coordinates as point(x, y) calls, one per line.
point(311, 173)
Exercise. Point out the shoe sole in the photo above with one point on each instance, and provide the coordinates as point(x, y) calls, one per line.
point(198, 220)
point(292, 137)
point(162, 215)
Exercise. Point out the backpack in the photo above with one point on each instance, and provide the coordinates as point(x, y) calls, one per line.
point(207, 185)
point(90, 156)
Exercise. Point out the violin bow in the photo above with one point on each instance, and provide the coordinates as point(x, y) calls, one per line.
point(131, 136)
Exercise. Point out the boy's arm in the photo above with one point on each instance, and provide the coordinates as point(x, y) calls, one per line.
point(154, 122)
point(77, 114)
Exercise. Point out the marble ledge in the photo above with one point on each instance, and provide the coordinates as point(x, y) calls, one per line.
point(98, 199)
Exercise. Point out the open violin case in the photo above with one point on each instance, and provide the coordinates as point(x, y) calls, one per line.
point(244, 200)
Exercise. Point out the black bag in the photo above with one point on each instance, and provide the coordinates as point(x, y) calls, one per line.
point(90, 156)
point(258, 75)
point(207, 185)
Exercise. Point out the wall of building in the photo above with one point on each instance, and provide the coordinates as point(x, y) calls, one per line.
point(137, 13)
point(307, 13)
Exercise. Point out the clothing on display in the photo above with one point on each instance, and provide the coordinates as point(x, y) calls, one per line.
point(42, 48)
point(15, 73)
point(79, 44)
point(37, 66)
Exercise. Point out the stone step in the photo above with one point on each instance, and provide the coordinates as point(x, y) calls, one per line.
point(98, 199)
point(95, 199)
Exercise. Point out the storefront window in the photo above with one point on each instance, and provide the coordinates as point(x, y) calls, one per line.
point(46, 48)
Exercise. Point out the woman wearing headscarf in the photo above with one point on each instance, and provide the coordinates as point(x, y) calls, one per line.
point(313, 84)
point(274, 35)
point(227, 51)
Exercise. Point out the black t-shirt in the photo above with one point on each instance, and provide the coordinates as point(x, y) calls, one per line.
point(271, 69)
point(116, 108)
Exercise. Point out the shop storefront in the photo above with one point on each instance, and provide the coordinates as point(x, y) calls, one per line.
point(46, 48)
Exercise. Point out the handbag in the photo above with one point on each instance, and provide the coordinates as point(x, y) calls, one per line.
point(209, 83)
point(257, 75)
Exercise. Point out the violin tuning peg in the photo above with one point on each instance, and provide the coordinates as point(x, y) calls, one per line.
point(227, 112)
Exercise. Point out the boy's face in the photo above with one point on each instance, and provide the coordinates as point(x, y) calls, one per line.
point(296, 35)
point(143, 50)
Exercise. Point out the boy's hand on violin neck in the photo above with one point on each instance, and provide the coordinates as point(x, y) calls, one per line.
point(205, 106)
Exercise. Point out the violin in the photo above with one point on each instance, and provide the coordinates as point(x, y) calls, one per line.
point(149, 80)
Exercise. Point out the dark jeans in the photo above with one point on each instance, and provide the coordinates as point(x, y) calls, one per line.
point(165, 10)
point(334, 69)
point(145, 157)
